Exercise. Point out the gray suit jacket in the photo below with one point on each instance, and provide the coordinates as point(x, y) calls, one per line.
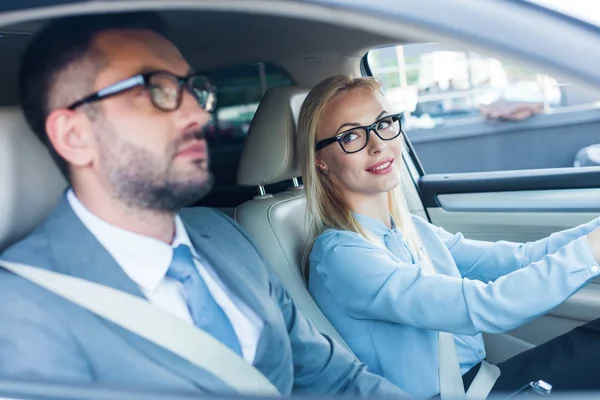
point(45, 337)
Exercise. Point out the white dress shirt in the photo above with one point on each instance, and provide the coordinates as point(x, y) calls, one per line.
point(146, 261)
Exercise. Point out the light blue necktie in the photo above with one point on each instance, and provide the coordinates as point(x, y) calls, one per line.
point(205, 311)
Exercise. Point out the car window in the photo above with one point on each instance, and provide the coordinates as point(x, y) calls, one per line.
point(584, 10)
point(469, 112)
point(239, 91)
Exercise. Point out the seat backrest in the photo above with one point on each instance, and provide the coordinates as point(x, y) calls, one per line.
point(30, 181)
point(277, 222)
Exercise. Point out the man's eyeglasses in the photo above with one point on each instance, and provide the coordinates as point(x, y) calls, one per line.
point(356, 139)
point(165, 90)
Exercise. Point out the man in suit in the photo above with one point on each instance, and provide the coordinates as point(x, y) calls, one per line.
point(122, 113)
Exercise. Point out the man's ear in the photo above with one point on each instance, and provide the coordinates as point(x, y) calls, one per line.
point(70, 135)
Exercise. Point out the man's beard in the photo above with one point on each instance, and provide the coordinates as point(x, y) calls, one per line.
point(141, 180)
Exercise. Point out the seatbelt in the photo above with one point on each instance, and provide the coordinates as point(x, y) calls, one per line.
point(450, 376)
point(153, 324)
point(449, 373)
point(484, 381)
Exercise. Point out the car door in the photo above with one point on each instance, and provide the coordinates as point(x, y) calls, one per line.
point(520, 206)
point(492, 179)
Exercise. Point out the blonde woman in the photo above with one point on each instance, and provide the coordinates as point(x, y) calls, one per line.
point(367, 265)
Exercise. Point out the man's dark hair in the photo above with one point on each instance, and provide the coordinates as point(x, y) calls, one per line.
point(60, 45)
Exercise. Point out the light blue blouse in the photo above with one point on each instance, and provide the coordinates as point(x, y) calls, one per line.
point(388, 311)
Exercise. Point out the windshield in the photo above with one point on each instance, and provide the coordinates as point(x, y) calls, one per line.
point(585, 10)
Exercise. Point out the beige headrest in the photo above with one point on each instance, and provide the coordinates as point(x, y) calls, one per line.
point(269, 154)
point(30, 182)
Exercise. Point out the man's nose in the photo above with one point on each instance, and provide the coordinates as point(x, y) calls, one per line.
point(192, 112)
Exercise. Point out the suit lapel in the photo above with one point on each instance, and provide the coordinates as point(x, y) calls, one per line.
point(224, 262)
point(78, 253)
point(228, 264)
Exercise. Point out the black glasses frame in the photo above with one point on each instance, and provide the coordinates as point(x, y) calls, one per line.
point(326, 142)
point(144, 80)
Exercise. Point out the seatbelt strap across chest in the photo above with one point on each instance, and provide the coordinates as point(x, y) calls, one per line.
point(153, 324)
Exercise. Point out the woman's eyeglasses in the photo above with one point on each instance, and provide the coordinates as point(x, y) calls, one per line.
point(356, 139)
point(165, 90)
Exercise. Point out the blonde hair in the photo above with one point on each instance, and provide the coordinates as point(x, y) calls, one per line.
point(325, 206)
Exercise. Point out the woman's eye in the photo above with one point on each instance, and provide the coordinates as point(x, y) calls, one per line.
point(349, 137)
point(384, 124)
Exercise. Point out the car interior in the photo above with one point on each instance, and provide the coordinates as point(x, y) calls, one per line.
point(268, 62)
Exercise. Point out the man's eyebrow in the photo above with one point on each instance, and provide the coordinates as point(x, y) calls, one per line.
point(147, 70)
point(357, 124)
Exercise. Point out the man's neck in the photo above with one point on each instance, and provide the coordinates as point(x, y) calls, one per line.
point(151, 223)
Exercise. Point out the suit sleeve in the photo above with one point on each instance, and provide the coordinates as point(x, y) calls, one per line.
point(35, 345)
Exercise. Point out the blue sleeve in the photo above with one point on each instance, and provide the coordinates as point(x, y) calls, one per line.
point(487, 261)
point(369, 284)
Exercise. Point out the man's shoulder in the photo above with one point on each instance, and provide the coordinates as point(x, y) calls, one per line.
point(32, 249)
point(18, 294)
point(222, 232)
point(205, 219)
point(202, 213)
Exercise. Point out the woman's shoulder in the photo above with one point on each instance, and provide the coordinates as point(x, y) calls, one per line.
point(331, 239)
point(424, 227)
point(421, 222)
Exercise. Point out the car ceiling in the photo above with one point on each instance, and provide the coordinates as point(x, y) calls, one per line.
point(212, 40)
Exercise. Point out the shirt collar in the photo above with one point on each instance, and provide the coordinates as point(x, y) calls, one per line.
point(145, 260)
point(374, 226)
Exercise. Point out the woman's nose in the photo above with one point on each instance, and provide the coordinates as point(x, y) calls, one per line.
point(376, 145)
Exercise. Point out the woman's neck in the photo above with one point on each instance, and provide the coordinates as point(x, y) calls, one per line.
point(374, 206)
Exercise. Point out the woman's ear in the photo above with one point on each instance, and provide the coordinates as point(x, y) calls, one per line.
point(321, 166)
